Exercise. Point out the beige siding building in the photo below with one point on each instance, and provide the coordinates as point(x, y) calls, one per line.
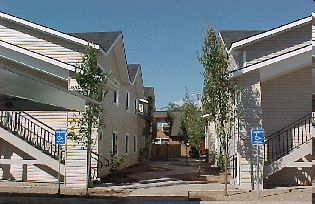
point(274, 70)
point(46, 59)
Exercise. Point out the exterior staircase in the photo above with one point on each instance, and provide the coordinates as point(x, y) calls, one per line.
point(289, 147)
point(32, 140)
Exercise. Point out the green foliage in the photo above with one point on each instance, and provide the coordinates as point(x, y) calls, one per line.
point(117, 162)
point(182, 133)
point(90, 78)
point(220, 161)
point(172, 107)
point(147, 130)
point(219, 94)
point(91, 83)
point(192, 126)
point(143, 152)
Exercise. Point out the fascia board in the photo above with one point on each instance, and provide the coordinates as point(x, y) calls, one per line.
point(269, 33)
point(34, 60)
point(269, 62)
point(122, 63)
point(221, 38)
point(18, 85)
point(47, 30)
point(143, 100)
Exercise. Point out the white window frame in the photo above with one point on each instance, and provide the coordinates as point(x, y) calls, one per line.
point(116, 93)
point(127, 101)
point(136, 106)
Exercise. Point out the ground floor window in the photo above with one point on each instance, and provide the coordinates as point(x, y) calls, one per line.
point(114, 143)
point(126, 144)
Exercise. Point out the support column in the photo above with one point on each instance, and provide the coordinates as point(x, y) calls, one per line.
point(24, 172)
point(250, 118)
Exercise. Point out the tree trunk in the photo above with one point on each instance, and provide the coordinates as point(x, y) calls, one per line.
point(88, 159)
point(225, 171)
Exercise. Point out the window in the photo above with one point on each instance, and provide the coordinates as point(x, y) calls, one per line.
point(116, 97)
point(166, 128)
point(126, 144)
point(141, 109)
point(136, 106)
point(134, 143)
point(100, 134)
point(114, 144)
point(127, 101)
point(116, 93)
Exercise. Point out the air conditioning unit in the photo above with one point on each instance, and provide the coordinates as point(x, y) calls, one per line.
point(140, 108)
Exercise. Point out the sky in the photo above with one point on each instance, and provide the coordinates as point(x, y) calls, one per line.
point(163, 36)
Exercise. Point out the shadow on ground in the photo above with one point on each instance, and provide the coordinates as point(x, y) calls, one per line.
point(179, 169)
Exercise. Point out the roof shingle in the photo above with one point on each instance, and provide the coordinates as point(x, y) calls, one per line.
point(231, 36)
point(104, 39)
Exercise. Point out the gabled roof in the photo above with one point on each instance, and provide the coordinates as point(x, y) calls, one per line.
point(133, 70)
point(259, 36)
point(105, 39)
point(147, 91)
point(230, 36)
point(43, 29)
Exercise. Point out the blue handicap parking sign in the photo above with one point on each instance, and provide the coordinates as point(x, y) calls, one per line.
point(60, 137)
point(257, 137)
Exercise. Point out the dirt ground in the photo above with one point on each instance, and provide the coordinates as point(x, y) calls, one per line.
point(171, 169)
point(126, 175)
point(210, 174)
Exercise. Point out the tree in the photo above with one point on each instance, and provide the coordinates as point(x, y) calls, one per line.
point(170, 108)
point(148, 118)
point(192, 122)
point(219, 93)
point(192, 126)
point(91, 82)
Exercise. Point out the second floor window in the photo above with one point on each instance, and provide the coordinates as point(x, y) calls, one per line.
point(126, 144)
point(116, 96)
point(136, 106)
point(114, 144)
point(128, 101)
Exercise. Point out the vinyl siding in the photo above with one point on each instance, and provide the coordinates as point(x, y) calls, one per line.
point(116, 118)
point(286, 99)
point(249, 110)
point(278, 42)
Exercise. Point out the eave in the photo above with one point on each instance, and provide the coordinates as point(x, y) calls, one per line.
point(278, 65)
point(25, 92)
point(268, 33)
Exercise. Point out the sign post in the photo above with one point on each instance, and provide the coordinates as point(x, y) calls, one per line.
point(60, 139)
point(257, 138)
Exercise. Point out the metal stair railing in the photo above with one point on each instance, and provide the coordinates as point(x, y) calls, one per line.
point(232, 165)
point(100, 164)
point(98, 158)
point(287, 139)
point(32, 131)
